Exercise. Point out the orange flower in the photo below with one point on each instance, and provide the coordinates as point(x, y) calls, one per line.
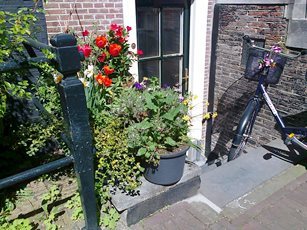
point(101, 41)
point(99, 78)
point(108, 70)
point(103, 80)
point(115, 49)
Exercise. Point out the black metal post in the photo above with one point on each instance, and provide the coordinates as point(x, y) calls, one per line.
point(76, 116)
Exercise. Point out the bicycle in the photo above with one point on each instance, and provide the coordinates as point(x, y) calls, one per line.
point(265, 76)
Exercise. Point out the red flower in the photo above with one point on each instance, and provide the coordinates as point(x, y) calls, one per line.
point(128, 28)
point(103, 80)
point(101, 41)
point(86, 50)
point(107, 82)
point(140, 52)
point(114, 27)
point(102, 57)
point(108, 70)
point(119, 31)
point(121, 40)
point(85, 33)
point(115, 49)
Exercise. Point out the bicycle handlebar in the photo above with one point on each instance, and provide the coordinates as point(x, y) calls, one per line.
point(294, 55)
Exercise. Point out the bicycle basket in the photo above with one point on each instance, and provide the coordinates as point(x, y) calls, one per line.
point(252, 70)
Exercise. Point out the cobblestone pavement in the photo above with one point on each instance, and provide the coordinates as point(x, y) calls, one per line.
point(279, 203)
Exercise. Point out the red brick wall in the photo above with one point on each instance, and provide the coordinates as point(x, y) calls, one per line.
point(100, 12)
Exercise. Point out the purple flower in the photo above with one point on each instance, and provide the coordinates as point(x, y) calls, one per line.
point(165, 86)
point(138, 86)
point(276, 49)
point(181, 98)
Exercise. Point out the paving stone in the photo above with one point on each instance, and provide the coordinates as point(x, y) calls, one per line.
point(169, 225)
point(253, 225)
point(221, 225)
point(236, 178)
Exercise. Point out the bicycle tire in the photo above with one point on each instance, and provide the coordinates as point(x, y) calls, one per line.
point(244, 130)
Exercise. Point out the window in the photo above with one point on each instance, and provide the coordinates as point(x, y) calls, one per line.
point(162, 33)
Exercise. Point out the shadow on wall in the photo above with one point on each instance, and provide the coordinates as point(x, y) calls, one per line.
point(230, 107)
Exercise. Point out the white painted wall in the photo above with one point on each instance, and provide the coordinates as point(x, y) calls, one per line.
point(198, 28)
point(129, 12)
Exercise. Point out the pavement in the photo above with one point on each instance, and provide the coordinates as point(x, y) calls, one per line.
point(263, 189)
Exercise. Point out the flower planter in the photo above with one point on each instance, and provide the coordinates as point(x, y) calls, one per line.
point(170, 168)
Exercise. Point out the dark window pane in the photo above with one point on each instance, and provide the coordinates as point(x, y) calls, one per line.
point(148, 69)
point(171, 71)
point(171, 30)
point(148, 31)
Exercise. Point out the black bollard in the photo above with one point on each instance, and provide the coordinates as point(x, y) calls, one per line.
point(73, 103)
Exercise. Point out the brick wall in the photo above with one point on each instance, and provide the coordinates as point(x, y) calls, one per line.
point(232, 91)
point(77, 14)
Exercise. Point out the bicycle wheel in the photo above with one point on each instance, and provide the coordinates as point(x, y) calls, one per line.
point(244, 130)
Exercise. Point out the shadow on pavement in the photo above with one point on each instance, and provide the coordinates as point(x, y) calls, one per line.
point(295, 156)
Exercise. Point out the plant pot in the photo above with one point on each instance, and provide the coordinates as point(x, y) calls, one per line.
point(170, 168)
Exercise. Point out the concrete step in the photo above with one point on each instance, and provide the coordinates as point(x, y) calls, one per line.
point(221, 185)
point(151, 197)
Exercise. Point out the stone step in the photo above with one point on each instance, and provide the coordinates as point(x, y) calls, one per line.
point(151, 198)
point(236, 178)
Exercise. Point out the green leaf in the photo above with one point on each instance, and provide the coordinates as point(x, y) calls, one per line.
point(147, 154)
point(171, 114)
point(149, 103)
point(141, 151)
point(170, 141)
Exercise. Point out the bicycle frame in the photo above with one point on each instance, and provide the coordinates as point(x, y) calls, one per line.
point(286, 131)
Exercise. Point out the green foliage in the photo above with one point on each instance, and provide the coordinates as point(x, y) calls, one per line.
point(13, 28)
point(109, 218)
point(9, 206)
point(74, 203)
point(17, 224)
point(156, 119)
point(117, 166)
point(34, 136)
point(50, 212)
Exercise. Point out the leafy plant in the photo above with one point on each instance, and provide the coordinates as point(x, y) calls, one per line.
point(75, 205)
point(50, 212)
point(17, 224)
point(13, 27)
point(117, 166)
point(156, 119)
point(109, 218)
point(9, 206)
